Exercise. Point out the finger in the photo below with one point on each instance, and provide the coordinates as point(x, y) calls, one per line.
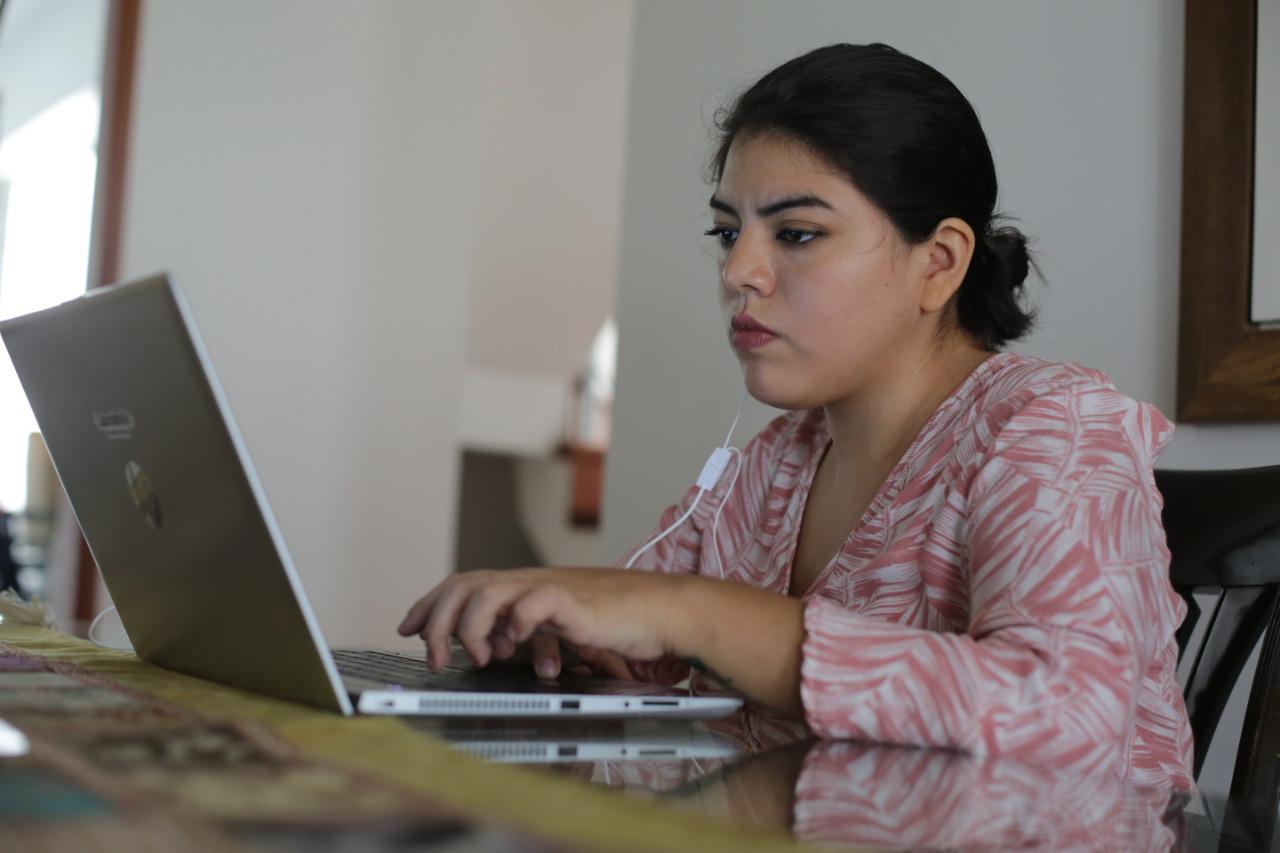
point(616, 667)
point(550, 608)
point(502, 647)
point(570, 661)
point(606, 663)
point(544, 650)
point(478, 616)
point(440, 622)
point(417, 616)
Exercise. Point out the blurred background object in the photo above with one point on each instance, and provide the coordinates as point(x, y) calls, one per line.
point(51, 96)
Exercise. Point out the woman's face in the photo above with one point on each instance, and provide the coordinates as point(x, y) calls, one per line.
point(804, 254)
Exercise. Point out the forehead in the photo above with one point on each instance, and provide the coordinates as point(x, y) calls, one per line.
point(764, 167)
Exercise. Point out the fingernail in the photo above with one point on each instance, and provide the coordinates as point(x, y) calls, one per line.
point(547, 669)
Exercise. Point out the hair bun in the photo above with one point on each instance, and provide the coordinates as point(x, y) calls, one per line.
point(992, 309)
point(1009, 246)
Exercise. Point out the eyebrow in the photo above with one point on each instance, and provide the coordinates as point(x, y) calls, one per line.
point(774, 207)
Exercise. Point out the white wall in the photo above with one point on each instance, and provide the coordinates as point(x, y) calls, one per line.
point(549, 81)
point(551, 76)
point(382, 212)
point(301, 166)
point(1082, 104)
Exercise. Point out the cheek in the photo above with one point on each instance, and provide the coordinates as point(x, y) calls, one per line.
point(857, 306)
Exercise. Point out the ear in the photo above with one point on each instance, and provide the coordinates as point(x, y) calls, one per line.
point(947, 253)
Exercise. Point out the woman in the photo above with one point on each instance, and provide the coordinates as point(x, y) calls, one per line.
point(942, 544)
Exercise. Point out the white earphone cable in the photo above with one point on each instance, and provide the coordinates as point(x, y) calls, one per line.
point(712, 470)
point(99, 643)
point(715, 521)
point(733, 426)
point(655, 540)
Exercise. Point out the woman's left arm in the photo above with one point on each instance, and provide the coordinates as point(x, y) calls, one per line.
point(638, 615)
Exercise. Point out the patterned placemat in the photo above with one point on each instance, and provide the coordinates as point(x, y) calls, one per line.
point(110, 764)
point(415, 784)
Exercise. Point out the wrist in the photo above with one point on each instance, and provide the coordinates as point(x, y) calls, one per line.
point(681, 605)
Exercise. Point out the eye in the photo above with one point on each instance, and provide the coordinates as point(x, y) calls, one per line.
point(796, 237)
point(724, 235)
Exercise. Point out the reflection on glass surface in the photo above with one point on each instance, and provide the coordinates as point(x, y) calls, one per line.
point(897, 797)
point(765, 773)
point(578, 745)
point(843, 793)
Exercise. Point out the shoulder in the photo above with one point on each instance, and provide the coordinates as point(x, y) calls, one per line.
point(1053, 416)
point(1013, 382)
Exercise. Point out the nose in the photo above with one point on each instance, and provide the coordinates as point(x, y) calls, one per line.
point(748, 267)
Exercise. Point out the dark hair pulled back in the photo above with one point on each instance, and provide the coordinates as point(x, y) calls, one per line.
point(909, 141)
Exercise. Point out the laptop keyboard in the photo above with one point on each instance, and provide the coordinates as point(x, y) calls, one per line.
point(407, 671)
point(379, 666)
point(410, 672)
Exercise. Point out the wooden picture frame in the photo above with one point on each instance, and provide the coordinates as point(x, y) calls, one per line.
point(1228, 366)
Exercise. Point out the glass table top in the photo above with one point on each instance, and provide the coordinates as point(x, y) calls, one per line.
point(762, 772)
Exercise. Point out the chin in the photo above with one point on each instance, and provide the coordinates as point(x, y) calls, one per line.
point(778, 392)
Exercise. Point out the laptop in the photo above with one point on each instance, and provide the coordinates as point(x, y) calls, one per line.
point(161, 483)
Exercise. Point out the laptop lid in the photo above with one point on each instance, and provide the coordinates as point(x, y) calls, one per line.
point(161, 483)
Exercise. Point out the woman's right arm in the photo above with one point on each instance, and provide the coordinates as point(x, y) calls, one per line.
point(677, 553)
point(743, 483)
point(680, 552)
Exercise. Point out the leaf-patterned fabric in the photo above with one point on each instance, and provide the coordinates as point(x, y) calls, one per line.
point(1006, 591)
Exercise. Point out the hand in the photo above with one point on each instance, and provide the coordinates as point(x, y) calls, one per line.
point(597, 610)
point(549, 654)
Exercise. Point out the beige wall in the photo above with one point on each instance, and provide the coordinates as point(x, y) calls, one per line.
point(385, 215)
point(551, 76)
point(548, 83)
point(302, 168)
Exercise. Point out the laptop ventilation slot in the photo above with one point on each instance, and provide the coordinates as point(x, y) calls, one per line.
point(445, 705)
point(505, 752)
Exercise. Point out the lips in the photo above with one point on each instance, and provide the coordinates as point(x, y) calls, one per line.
point(747, 323)
point(746, 333)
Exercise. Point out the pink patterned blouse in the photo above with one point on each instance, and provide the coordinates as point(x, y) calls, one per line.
point(1006, 591)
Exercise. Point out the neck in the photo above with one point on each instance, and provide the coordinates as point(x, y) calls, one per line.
point(871, 429)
